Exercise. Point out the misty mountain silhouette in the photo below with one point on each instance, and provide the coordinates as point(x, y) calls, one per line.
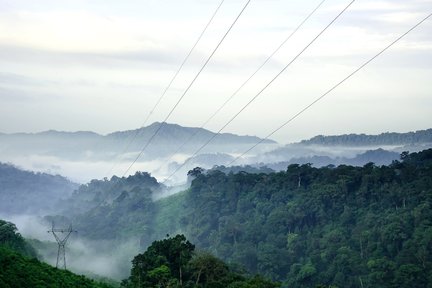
point(84, 144)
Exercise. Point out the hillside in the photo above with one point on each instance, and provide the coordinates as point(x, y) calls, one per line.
point(106, 209)
point(20, 268)
point(329, 225)
point(12, 240)
point(304, 226)
point(28, 192)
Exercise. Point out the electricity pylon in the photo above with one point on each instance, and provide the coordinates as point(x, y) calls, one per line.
point(61, 241)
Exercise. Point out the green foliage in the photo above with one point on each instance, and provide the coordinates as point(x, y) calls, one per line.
point(10, 238)
point(329, 227)
point(18, 271)
point(150, 268)
point(116, 208)
point(344, 226)
point(172, 262)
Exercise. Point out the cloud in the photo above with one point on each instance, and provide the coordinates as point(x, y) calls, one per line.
point(12, 95)
point(120, 59)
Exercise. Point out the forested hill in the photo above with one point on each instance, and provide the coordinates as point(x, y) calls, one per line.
point(410, 138)
point(346, 226)
point(106, 209)
point(28, 192)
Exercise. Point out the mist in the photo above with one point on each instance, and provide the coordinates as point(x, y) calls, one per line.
point(111, 259)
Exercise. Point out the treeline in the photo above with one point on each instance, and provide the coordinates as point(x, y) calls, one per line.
point(345, 226)
point(418, 137)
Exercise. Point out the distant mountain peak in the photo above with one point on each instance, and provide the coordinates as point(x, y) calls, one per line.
point(176, 130)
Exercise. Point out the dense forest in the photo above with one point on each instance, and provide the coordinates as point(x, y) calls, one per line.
point(345, 226)
point(116, 208)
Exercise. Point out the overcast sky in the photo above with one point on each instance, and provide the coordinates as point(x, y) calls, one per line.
point(101, 65)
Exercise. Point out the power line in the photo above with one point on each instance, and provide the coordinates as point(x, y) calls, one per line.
point(246, 81)
point(262, 90)
point(331, 89)
point(137, 132)
point(187, 89)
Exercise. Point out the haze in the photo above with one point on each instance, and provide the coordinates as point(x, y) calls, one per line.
point(101, 66)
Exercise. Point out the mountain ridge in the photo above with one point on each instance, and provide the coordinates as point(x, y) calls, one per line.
point(386, 138)
point(152, 127)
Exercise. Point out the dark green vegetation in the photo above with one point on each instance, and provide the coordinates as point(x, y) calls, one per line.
point(122, 207)
point(173, 262)
point(29, 192)
point(20, 268)
point(11, 239)
point(19, 271)
point(345, 226)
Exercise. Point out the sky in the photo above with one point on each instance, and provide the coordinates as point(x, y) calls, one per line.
point(101, 65)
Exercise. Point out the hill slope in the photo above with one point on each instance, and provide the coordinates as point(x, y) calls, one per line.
point(20, 268)
point(305, 226)
point(28, 192)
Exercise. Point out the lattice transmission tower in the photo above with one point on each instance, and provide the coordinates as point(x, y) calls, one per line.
point(61, 236)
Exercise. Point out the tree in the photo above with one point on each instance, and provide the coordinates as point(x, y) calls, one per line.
point(207, 269)
point(172, 253)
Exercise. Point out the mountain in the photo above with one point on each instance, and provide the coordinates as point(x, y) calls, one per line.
point(25, 192)
point(352, 149)
point(82, 156)
point(383, 139)
point(89, 145)
point(168, 132)
point(378, 157)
